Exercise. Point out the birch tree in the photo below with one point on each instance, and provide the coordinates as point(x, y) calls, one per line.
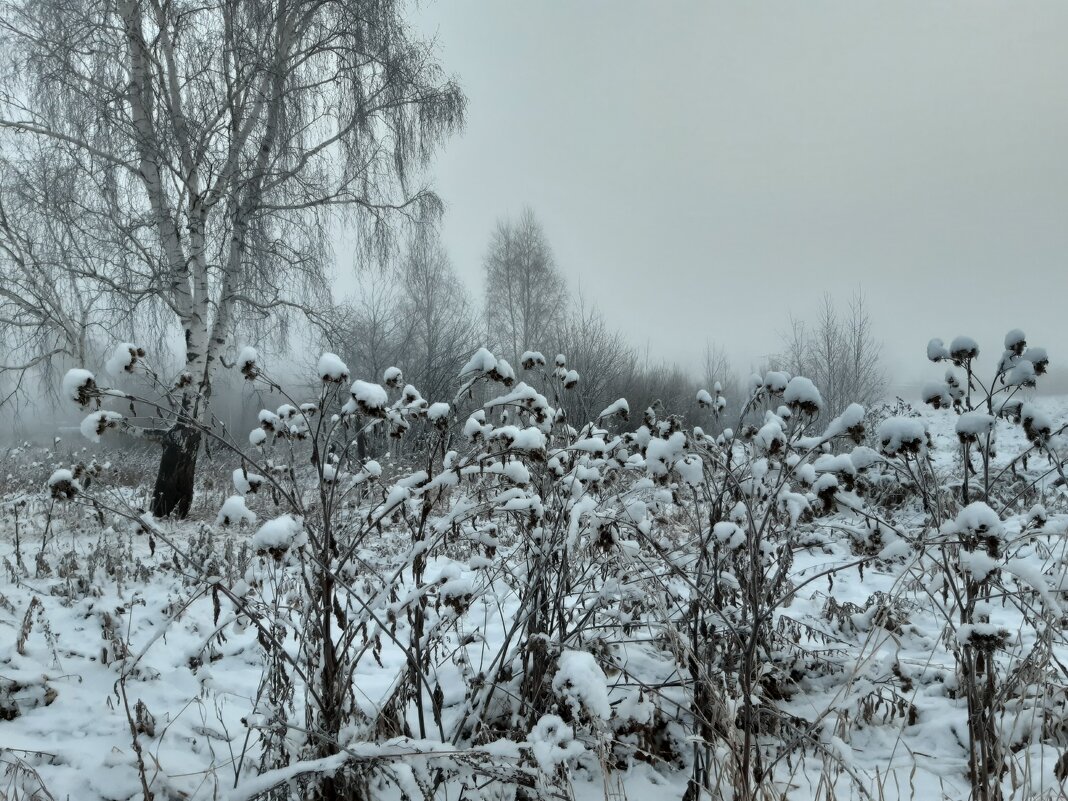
point(525, 293)
point(441, 330)
point(212, 144)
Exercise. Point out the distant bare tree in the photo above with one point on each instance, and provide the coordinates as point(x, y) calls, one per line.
point(601, 355)
point(716, 368)
point(207, 143)
point(441, 329)
point(839, 353)
point(525, 293)
point(367, 329)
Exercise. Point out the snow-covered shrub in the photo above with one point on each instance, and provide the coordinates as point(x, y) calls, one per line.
point(519, 597)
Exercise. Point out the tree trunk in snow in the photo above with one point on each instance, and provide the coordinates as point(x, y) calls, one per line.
point(173, 493)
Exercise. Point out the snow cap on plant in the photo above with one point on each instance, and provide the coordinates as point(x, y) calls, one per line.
point(370, 398)
point(234, 511)
point(801, 395)
point(1037, 357)
point(963, 349)
point(79, 386)
point(248, 363)
point(620, 408)
point(1037, 424)
point(62, 485)
point(124, 358)
point(937, 350)
point(332, 370)
point(936, 395)
point(973, 425)
point(902, 436)
point(95, 424)
point(531, 359)
point(276, 537)
point(1015, 341)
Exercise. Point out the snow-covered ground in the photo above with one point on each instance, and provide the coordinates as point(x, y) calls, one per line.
point(110, 633)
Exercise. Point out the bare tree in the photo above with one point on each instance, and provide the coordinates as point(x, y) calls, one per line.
point(525, 293)
point(211, 140)
point(367, 328)
point(716, 369)
point(441, 328)
point(601, 356)
point(839, 353)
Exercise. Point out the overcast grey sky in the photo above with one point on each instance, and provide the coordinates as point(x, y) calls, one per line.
point(704, 168)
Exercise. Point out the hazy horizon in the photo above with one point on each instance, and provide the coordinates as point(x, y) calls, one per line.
point(703, 170)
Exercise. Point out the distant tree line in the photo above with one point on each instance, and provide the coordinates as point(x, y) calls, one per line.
point(415, 313)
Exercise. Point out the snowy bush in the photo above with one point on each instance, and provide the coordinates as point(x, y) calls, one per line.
point(524, 601)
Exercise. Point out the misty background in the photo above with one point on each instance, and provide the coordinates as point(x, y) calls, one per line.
point(704, 169)
point(700, 179)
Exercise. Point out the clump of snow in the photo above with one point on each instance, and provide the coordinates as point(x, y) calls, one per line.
point(755, 384)
point(660, 454)
point(972, 425)
point(248, 362)
point(245, 482)
point(95, 424)
point(124, 358)
point(526, 439)
point(257, 437)
point(279, 535)
point(1038, 358)
point(901, 435)
point(393, 377)
point(704, 400)
point(1038, 426)
point(503, 372)
point(776, 382)
point(79, 386)
point(937, 395)
point(619, 407)
point(438, 413)
point(936, 350)
point(801, 395)
point(850, 421)
point(331, 369)
point(978, 519)
point(728, 534)
point(62, 484)
point(985, 636)
point(234, 511)
point(1015, 341)
point(770, 439)
point(977, 564)
point(481, 362)
point(552, 742)
point(581, 683)
point(371, 399)
point(963, 349)
point(691, 470)
point(1021, 374)
point(531, 359)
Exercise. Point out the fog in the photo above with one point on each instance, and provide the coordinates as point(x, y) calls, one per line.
point(705, 169)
